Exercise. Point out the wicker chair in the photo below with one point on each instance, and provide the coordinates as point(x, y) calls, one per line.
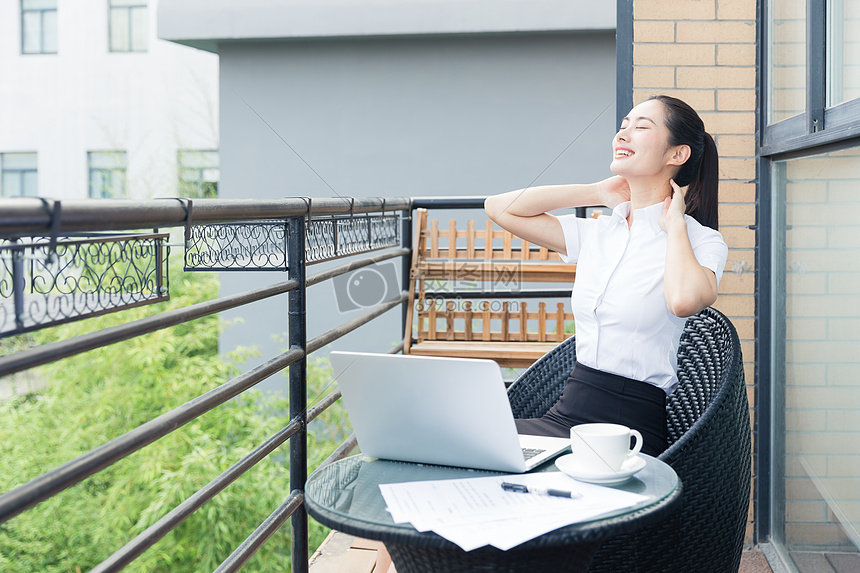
point(709, 448)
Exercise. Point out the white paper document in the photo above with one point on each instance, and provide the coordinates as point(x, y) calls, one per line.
point(475, 512)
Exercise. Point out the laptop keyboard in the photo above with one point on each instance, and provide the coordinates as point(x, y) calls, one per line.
point(529, 453)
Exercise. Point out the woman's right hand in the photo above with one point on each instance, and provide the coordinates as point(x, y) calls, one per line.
point(614, 191)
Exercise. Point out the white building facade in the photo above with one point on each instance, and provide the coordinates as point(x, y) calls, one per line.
point(93, 104)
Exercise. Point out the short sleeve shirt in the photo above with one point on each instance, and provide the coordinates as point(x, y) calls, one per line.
point(623, 324)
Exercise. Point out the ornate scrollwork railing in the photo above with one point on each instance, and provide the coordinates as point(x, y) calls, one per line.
point(258, 246)
point(45, 282)
point(262, 245)
point(333, 237)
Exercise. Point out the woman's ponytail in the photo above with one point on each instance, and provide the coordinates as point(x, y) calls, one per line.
point(701, 171)
point(703, 194)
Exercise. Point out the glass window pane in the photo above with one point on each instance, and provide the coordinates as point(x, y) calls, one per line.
point(843, 51)
point(128, 2)
point(30, 187)
point(49, 32)
point(31, 32)
point(117, 184)
point(96, 184)
point(139, 29)
point(11, 184)
point(107, 184)
point(198, 173)
point(817, 363)
point(119, 40)
point(18, 160)
point(787, 59)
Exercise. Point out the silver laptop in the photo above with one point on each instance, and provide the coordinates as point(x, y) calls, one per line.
point(446, 411)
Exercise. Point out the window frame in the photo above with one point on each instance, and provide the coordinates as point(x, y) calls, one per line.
point(818, 125)
point(111, 171)
point(818, 130)
point(200, 180)
point(129, 8)
point(41, 12)
point(21, 172)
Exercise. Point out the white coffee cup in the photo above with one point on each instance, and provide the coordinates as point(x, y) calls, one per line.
point(603, 448)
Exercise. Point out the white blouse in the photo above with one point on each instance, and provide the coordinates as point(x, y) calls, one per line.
point(623, 324)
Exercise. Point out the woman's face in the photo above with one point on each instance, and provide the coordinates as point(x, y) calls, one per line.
point(641, 146)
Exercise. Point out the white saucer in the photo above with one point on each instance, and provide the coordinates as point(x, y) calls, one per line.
point(571, 466)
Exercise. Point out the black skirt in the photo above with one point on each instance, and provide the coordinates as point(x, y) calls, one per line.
point(596, 396)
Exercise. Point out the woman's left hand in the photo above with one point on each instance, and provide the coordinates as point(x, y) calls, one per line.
point(674, 207)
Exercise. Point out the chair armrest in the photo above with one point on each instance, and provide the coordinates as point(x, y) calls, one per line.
point(541, 385)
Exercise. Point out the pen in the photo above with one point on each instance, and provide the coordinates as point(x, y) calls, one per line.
point(519, 488)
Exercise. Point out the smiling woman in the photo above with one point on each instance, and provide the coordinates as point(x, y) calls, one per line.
point(655, 260)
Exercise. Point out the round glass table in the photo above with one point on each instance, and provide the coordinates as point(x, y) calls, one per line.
point(345, 496)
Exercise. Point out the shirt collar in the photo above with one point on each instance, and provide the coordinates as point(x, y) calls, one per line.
point(650, 214)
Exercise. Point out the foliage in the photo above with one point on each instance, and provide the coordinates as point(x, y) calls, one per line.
point(100, 395)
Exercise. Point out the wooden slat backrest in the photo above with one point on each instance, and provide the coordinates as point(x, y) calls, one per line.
point(453, 243)
point(512, 322)
point(485, 256)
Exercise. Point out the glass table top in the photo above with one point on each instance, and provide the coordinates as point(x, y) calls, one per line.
point(349, 488)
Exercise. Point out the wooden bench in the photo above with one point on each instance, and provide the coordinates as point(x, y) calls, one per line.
point(476, 305)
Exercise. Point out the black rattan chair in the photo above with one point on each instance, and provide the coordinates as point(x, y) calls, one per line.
point(709, 448)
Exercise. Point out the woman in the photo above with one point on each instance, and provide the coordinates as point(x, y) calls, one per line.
point(641, 271)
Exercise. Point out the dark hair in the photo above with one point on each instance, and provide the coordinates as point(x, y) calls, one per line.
point(701, 170)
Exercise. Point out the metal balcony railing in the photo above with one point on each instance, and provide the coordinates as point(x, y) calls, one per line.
point(72, 260)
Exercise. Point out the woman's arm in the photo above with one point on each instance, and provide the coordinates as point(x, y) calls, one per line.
point(688, 286)
point(524, 212)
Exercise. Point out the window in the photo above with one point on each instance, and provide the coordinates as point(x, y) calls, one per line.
point(843, 51)
point(817, 313)
point(19, 175)
point(198, 173)
point(128, 25)
point(787, 61)
point(811, 74)
point(107, 174)
point(38, 26)
point(809, 301)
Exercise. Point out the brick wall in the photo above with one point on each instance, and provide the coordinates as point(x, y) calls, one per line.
point(703, 51)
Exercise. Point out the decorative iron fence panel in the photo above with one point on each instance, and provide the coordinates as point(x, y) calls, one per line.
point(44, 283)
point(256, 245)
point(262, 245)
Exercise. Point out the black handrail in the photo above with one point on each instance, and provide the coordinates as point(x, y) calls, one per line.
point(26, 216)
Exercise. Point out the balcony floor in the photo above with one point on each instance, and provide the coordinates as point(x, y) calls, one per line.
point(341, 553)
